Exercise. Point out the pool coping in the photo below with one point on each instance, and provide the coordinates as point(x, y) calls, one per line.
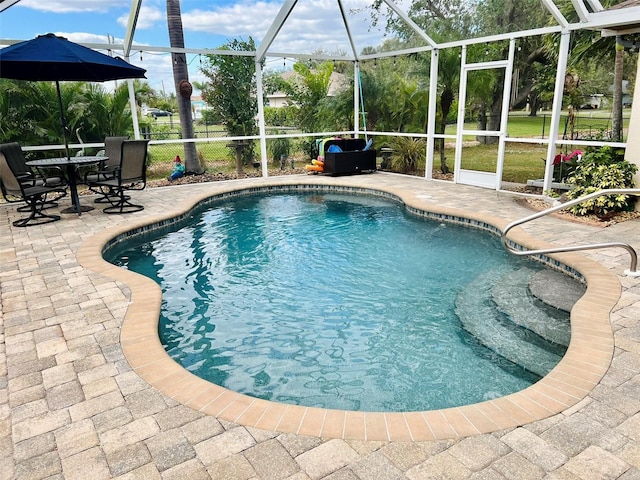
point(587, 359)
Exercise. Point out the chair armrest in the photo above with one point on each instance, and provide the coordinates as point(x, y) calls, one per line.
point(51, 176)
point(101, 175)
point(27, 179)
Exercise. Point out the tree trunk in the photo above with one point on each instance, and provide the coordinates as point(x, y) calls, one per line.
point(182, 85)
point(482, 123)
point(533, 105)
point(616, 107)
point(446, 100)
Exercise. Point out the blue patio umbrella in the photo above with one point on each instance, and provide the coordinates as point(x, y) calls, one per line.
point(52, 58)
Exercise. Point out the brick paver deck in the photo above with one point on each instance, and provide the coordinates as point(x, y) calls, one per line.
point(84, 392)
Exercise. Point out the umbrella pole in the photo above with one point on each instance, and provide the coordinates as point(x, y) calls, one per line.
point(71, 172)
point(63, 121)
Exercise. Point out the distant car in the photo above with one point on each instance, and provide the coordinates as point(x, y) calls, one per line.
point(156, 112)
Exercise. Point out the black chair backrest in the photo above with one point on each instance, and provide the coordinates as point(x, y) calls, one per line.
point(133, 164)
point(15, 158)
point(113, 150)
point(12, 165)
point(8, 182)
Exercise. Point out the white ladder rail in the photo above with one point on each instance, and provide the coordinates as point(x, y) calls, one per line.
point(632, 271)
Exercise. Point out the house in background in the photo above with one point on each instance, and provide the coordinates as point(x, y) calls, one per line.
point(337, 81)
point(599, 100)
point(197, 106)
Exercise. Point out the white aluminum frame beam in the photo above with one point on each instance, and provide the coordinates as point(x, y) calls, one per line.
point(596, 6)
point(598, 19)
point(581, 10)
point(275, 28)
point(554, 128)
point(261, 126)
point(356, 97)
point(483, 178)
point(555, 13)
point(410, 22)
point(432, 112)
point(346, 26)
point(504, 119)
point(132, 22)
point(4, 4)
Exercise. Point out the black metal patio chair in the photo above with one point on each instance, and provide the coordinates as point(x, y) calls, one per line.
point(113, 152)
point(19, 183)
point(130, 174)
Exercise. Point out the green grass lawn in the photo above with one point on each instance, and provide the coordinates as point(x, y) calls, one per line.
point(587, 123)
point(522, 162)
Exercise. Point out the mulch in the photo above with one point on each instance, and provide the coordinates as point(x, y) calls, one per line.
point(537, 204)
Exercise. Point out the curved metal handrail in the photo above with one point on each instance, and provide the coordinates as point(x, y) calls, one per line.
point(632, 271)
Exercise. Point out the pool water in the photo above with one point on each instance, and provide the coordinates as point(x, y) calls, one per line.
point(329, 300)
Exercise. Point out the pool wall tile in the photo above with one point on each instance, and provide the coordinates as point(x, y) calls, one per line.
point(587, 358)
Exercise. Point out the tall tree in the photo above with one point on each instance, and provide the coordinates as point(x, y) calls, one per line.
point(587, 46)
point(231, 91)
point(183, 87)
point(500, 16)
point(107, 114)
point(308, 89)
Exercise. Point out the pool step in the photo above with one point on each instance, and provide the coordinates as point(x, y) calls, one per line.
point(512, 296)
point(496, 331)
point(556, 289)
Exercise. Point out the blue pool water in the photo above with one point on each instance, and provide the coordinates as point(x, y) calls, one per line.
point(329, 300)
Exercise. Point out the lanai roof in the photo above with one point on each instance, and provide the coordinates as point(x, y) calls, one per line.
point(622, 18)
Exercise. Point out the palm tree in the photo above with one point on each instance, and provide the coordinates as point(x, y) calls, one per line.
point(107, 114)
point(602, 49)
point(183, 87)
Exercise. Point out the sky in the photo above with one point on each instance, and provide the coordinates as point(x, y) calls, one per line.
point(313, 25)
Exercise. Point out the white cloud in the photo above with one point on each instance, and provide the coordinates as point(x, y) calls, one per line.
point(239, 19)
point(69, 6)
point(147, 18)
point(310, 27)
point(83, 37)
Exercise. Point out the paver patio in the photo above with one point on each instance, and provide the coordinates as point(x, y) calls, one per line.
point(71, 406)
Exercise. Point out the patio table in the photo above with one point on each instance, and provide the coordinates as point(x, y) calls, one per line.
point(71, 164)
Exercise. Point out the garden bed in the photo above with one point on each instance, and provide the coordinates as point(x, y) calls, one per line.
point(538, 204)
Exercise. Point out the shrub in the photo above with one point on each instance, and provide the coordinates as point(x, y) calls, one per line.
point(278, 147)
point(409, 154)
point(602, 169)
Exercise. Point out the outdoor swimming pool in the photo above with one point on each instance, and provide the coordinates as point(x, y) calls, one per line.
point(337, 301)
